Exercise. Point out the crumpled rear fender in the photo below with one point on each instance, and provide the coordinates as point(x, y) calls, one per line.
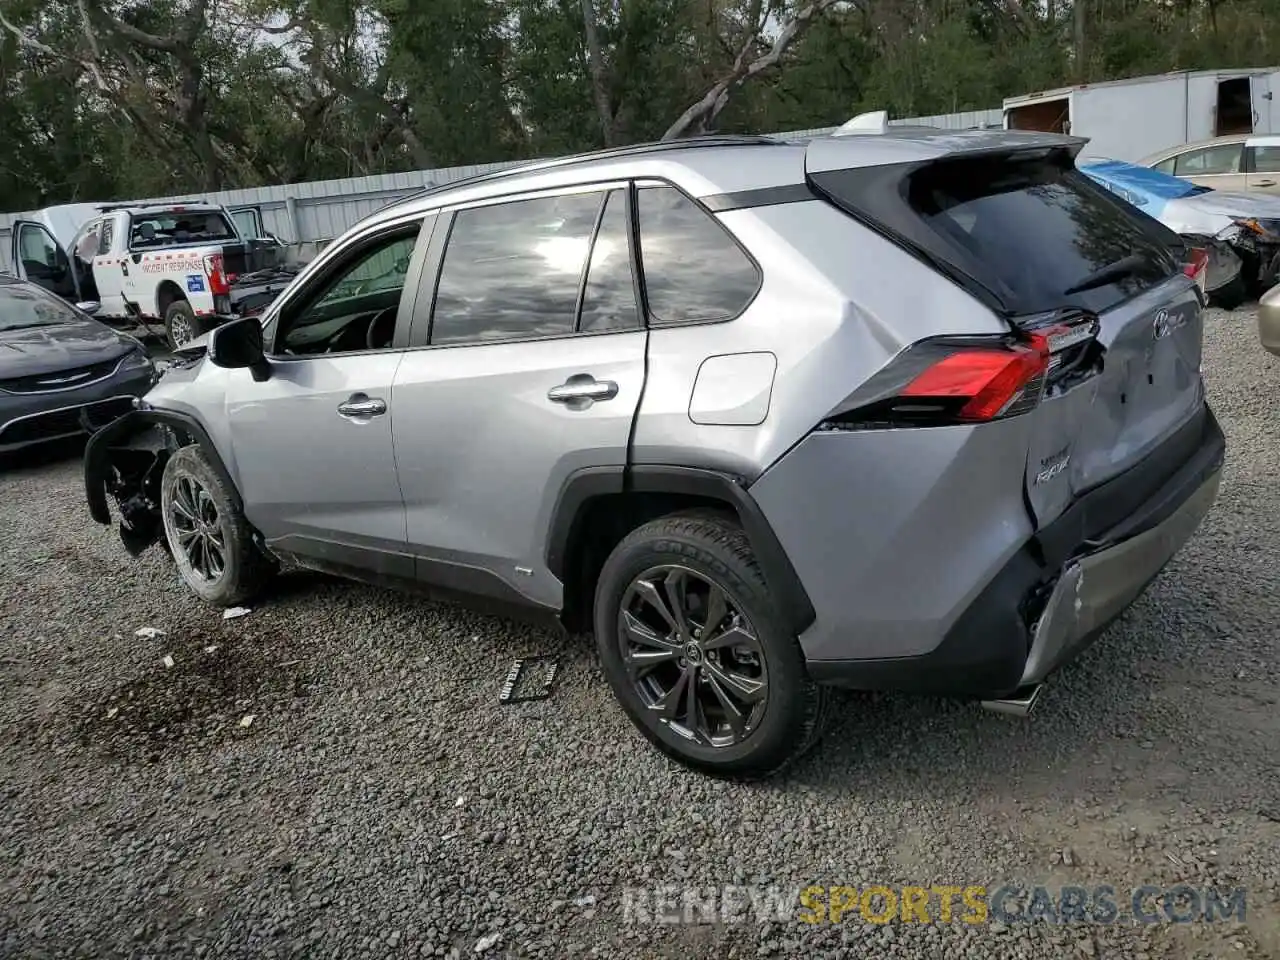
point(124, 461)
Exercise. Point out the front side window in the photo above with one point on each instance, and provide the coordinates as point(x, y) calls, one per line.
point(1209, 161)
point(36, 248)
point(356, 305)
point(693, 270)
point(1166, 166)
point(513, 270)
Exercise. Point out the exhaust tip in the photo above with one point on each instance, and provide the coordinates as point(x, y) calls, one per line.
point(1019, 704)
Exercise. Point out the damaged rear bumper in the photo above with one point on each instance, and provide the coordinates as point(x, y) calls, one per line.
point(1074, 578)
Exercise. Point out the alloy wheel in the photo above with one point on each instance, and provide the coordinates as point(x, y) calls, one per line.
point(197, 527)
point(693, 656)
point(180, 329)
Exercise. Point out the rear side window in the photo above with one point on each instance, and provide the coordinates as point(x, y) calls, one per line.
point(106, 236)
point(693, 269)
point(513, 270)
point(1019, 231)
point(1266, 159)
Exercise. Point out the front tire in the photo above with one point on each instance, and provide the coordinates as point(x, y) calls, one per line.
point(689, 641)
point(181, 325)
point(208, 536)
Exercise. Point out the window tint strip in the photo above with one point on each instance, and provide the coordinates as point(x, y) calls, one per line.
point(763, 197)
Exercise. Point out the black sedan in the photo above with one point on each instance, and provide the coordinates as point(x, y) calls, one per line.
point(62, 373)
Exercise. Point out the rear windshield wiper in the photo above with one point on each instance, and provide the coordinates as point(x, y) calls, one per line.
point(1124, 267)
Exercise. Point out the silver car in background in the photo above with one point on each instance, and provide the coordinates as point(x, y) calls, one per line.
point(892, 410)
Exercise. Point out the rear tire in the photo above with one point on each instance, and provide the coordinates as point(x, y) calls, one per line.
point(746, 655)
point(207, 535)
point(181, 325)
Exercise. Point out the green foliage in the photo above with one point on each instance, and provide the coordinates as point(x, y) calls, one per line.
point(271, 91)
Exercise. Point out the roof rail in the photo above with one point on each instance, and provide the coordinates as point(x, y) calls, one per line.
point(134, 205)
point(609, 153)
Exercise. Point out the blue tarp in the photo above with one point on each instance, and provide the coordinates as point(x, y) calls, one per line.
point(1143, 187)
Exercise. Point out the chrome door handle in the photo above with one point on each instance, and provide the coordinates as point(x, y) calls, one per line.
point(582, 387)
point(362, 405)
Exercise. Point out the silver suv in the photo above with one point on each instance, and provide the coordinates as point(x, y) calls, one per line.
point(915, 411)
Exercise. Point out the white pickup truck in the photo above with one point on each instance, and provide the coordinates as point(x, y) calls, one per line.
point(187, 267)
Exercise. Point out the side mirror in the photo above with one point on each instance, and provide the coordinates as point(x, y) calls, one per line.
point(89, 306)
point(237, 345)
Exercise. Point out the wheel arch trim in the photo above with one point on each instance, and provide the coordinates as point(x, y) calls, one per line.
point(588, 483)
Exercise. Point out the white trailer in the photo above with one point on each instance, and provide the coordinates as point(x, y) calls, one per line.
point(1129, 119)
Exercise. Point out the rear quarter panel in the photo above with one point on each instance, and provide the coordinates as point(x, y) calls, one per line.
point(837, 302)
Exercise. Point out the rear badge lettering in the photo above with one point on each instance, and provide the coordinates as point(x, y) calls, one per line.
point(1051, 466)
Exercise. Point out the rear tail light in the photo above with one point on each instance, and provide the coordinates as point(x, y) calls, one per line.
point(1197, 267)
point(950, 380)
point(218, 282)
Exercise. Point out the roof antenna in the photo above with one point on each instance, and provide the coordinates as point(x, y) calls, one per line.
point(874, 122)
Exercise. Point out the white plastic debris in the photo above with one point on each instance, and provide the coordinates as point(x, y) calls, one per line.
point(586, 901)
point(111, 712)
point(247, 720)
point(148, 633)
point(212, 648)
point(460, 801)
point(487, 942)
point(232, 612)
point(167, 660)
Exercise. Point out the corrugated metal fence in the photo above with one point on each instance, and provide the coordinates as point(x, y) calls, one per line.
point(320, 210)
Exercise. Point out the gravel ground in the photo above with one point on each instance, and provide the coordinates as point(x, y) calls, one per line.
point(382, 803)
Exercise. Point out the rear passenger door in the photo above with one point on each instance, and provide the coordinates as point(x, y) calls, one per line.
point(1262, 163)
point(527, 362)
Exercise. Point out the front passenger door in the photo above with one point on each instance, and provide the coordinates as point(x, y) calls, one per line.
point(313, 442)
point(532, 369)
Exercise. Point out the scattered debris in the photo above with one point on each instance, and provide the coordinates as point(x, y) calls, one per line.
point(586, 901)
point(212, 648)
point(1068, 858)
point(167, 660)
point(111, 712)
point(247, 720)
point(530, 678)
point(232, 613)
point(460, 802)
point(148, 633)
point(488, 942)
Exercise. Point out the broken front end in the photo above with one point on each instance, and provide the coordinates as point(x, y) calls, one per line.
point(124, 461)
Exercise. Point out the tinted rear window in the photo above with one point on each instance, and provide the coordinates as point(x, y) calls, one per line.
point(1025, 230)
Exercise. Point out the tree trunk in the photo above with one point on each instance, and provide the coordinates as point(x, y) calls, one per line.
point(599, 77)
point(1079, 13)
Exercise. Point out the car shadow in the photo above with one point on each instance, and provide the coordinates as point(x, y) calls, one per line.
point(42, 455)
